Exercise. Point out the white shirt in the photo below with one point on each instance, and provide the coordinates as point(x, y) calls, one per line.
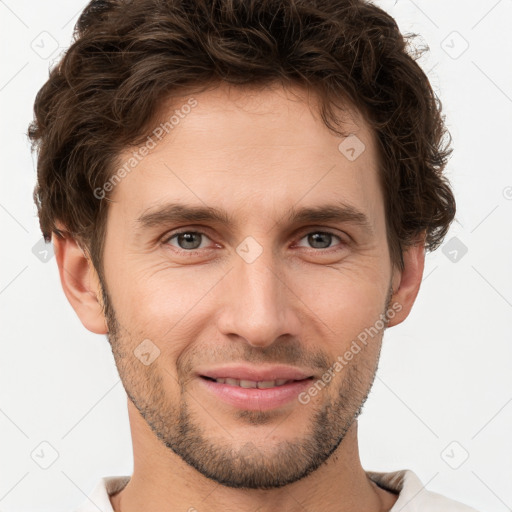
point(413, 497)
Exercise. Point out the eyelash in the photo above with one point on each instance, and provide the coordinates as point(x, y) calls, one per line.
point(193, 252)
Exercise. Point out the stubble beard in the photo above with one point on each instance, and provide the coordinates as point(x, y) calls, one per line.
point(249, 466)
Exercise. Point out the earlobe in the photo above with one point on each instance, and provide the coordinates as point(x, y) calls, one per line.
point(80, 282)
point(406, 283)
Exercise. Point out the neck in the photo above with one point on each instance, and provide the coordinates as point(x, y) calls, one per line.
point(163, 482)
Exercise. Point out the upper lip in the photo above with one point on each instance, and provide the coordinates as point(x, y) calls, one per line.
point(255, 373)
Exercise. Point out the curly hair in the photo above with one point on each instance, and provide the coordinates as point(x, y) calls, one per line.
point(128, 57)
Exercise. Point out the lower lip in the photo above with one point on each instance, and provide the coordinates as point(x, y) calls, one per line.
point(255, 399)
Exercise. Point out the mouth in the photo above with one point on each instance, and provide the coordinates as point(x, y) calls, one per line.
point(253, 384)
point(254, 388)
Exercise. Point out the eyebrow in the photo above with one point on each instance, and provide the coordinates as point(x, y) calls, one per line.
point(178, 213)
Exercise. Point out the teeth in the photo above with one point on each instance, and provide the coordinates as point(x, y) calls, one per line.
point(248, 384)
point(262, 384)
point(265, 384)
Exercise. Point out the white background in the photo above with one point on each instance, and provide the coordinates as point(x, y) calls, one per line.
point(445, 373)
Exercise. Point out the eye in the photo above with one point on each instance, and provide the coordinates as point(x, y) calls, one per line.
point(187, 240)
point(321, 239)
point(192, 241)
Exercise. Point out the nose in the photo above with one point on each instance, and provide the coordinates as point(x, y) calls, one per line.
point(258, 305)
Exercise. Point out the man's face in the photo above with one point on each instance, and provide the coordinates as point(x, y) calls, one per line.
point(263, 289)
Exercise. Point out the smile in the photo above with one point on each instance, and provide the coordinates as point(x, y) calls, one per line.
point(263, 384)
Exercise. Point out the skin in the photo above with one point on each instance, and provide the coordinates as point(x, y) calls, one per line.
point(256, 154)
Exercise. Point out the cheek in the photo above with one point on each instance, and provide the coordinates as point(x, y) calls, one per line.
point(346, 300)
point(167, 305)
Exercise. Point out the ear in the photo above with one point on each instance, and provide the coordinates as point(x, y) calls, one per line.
point(79, 281)
point(406, 283)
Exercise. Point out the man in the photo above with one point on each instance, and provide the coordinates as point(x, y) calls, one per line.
point(240, 195)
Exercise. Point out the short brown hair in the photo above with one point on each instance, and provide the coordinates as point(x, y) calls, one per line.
point(129, 56)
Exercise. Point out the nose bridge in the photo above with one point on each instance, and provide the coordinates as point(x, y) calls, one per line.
point(257, 307)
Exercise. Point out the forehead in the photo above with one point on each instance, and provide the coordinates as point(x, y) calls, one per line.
point(239, 148)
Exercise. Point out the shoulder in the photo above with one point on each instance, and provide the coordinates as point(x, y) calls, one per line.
point(413, 494)
point(98, 499)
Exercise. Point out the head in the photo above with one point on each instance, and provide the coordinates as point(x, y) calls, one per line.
point(246, 183)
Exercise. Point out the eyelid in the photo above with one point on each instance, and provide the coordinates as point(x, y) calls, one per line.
point(342, 235)
point(203, 230)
